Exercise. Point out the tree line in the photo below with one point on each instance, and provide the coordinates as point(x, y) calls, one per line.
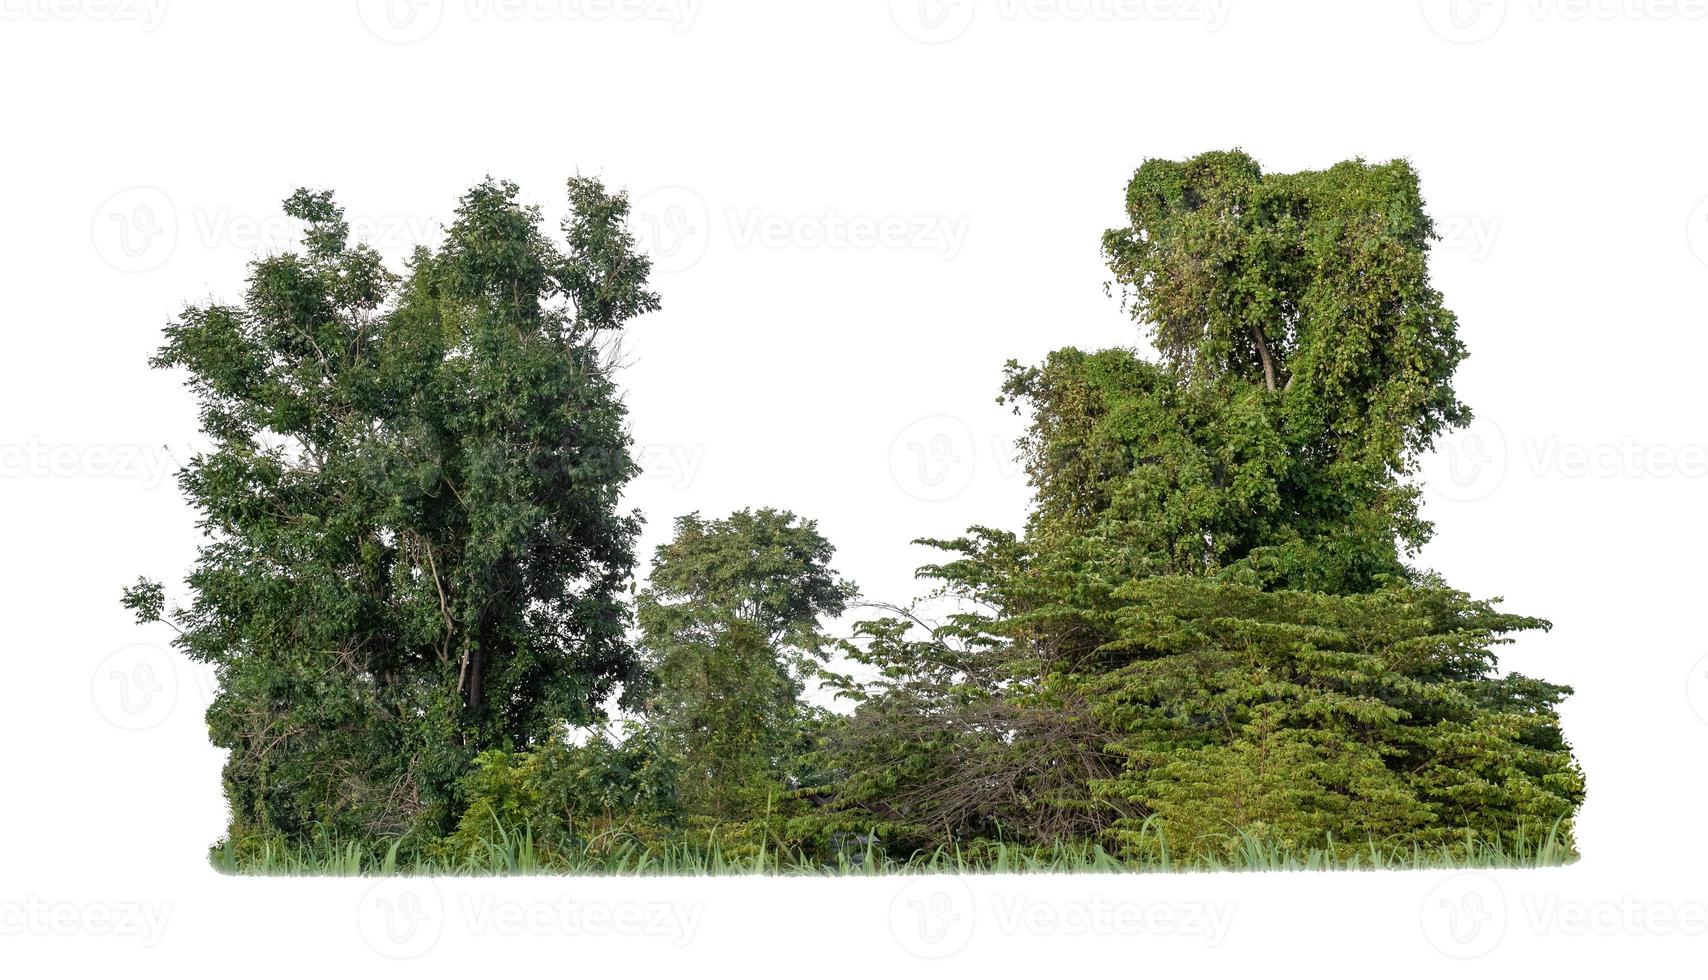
point(415, 582)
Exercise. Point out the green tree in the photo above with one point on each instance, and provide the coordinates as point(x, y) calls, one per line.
point(1211, 618)
point(1303, 719)
point(410, 494)
point(730, 628)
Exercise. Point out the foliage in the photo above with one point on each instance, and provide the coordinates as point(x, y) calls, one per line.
point(572, 798)
point(514, 852)
point(414, 549)
point(1209, 646)
point(1304, 719)
point(1210, 626)
point(730, 627)
point(958, 734)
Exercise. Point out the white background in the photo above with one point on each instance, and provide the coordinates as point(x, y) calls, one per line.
point(859, 212)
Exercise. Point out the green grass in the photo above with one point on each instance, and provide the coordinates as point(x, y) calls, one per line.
point(516, 854)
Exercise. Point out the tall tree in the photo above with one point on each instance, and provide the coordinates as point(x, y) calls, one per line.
point(410, 494)
point(731, 625)
point(1210, 623)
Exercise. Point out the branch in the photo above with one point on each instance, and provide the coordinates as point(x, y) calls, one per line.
point(1268, 362)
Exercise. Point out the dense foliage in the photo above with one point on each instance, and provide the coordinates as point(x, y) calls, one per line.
point(730, 628)
point(1210, 627)
point(1208, 644)
point(410, 494)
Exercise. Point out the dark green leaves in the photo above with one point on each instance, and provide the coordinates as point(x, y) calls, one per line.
point(410, 493)
point(730, 625)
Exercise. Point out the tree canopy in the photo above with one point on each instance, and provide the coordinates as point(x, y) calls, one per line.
point(731, 630)
point(1211, 632)
point(410, 494)
point(1210, 625)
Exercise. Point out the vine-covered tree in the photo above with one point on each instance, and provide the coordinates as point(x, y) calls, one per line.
point(414, 550)
point(1210, 625)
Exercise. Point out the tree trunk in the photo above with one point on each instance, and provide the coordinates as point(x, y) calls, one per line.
point(1263, 354)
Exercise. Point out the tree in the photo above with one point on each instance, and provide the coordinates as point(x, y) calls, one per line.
point(1210, 624)
point(730, 628)
point(410, 494)
point(1302, 719)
